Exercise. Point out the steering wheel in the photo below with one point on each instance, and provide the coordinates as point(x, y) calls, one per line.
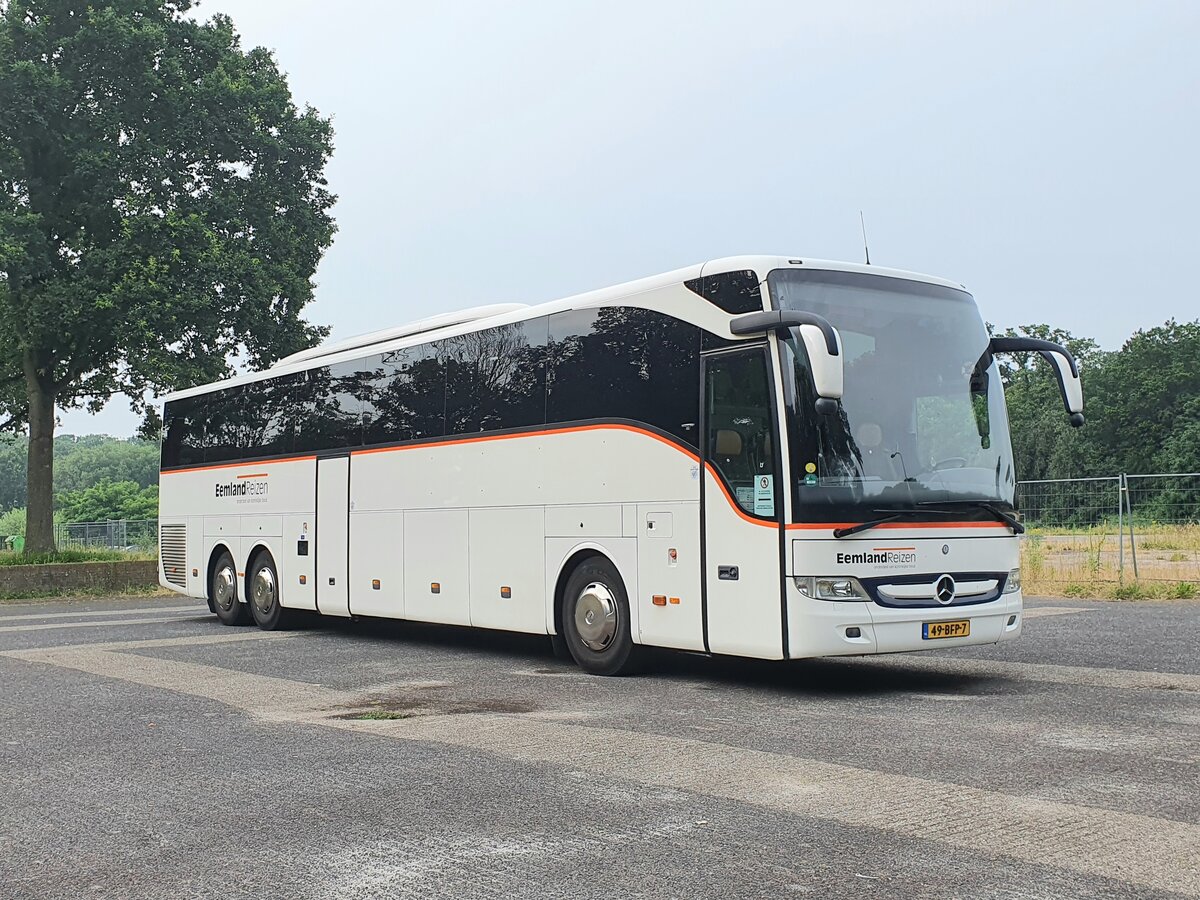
point(950, 462)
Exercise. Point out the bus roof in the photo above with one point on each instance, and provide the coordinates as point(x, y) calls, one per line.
point(453, 323)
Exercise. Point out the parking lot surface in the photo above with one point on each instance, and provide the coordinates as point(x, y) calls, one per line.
point(147, 751)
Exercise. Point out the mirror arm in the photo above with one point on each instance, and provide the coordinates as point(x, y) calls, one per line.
point(784, 320)
point(1045, 349)
point(1015, 344)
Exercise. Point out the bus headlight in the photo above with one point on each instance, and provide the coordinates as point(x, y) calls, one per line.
point(831, 588)
point(1013, 584)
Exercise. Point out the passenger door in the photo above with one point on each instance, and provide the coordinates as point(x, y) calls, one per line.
point(742, 506)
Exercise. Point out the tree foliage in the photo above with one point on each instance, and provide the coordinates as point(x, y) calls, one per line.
point(106, 500)
point(162, 210)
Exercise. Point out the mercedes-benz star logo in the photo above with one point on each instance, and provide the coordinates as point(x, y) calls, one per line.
point(944, 590)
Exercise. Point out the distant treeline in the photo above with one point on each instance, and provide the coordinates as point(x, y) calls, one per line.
point(1142, 404)
point(96, 478)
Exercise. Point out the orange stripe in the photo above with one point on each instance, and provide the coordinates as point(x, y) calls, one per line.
point(529, 434)
point(256, 475)
point(808, 526)
point(890, 549)
point(737, 508)
point(234, 465)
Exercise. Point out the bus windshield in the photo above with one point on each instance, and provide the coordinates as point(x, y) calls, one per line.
point(922, 420)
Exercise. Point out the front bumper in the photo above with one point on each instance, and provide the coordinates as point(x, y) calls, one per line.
point(824, 628)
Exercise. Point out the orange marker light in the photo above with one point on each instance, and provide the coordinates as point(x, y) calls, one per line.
point(506, 592)
point(675, 600)
point(435, 588)
point(304, 579)
point(659, 599)
point(374, 584)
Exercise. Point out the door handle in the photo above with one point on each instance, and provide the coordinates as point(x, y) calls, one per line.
point(727, 573)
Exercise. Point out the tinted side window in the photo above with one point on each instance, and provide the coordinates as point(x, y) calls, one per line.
point(426, 390)
point(621, 362)
point(511, 375)
point(329, 409)
point(734, 292)
point(225, 432)
point(183, 433)
point(270, 416)
point(460, 359)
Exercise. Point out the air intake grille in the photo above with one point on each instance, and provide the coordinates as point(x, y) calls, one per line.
point(172, 549)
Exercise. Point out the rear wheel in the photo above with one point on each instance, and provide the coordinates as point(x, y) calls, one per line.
point(263, 587)
point(223, 593)
point(596, 619)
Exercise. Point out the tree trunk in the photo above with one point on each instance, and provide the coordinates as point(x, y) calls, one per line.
point(39, 495)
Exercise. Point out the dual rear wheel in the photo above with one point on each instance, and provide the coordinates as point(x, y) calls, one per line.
point(262, 583)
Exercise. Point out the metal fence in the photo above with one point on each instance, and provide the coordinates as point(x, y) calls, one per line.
point(123, 534)
point(1115, 528)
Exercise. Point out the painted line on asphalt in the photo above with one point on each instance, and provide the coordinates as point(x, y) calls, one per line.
point(1140, 850)
point(139, 610)
point(1037, 612)
point(110, 623)
point(1085, 676)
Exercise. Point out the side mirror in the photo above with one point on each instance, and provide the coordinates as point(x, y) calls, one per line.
point(1060, 359)
point(821, 340)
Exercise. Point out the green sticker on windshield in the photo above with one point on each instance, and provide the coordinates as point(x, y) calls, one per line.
point(810, 479)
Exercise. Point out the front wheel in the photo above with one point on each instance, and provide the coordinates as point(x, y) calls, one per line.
point(596, 619)
point(263, 587)
point(223, 593)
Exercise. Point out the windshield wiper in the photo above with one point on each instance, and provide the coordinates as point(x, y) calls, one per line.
point(892, 516)
point(1001, 515)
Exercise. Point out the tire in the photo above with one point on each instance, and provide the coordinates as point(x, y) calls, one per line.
point(223, 596)
point(596, 619)
point(262, 584)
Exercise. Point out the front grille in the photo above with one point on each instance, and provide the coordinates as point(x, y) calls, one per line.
point(172, 549)
point(919, 591)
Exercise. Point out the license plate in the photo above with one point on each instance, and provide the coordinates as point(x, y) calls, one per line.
point(931, 631)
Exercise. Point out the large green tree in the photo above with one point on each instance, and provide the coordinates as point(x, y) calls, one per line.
point(162, 211)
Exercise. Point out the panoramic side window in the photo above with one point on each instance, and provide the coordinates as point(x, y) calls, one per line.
point(332, 408)
point(227, 430)
point(624, 363)
point(740, 434)
point(511, 375)
point(271, 429)
point(183, 433)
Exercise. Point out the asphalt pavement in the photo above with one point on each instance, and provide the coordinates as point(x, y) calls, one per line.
point(146, 751)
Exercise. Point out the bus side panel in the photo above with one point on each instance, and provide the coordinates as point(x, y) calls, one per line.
point(669, 568)
point(436, 581)
point(508, 552)
point(376, 564)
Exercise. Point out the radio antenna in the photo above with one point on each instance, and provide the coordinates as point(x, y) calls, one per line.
point(866, 249)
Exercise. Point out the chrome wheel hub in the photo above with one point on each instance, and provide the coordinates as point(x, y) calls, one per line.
point(225, 589)
point(596, 616)
point(263, 590)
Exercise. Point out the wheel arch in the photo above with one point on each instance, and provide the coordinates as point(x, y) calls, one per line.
point(573, 558)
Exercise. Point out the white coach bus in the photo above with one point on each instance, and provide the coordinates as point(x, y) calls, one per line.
point(761, 456)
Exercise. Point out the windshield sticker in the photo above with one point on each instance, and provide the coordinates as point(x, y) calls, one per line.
point(745, 497)
point(764, 495)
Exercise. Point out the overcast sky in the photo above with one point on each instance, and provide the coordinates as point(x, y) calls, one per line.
point(1042, 153)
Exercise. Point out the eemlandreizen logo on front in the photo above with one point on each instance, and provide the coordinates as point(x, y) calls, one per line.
point(880, 556)
point(244, 488)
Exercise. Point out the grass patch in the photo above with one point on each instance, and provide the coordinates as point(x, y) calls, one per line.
point(10, 558)
point(373, 715)
point(133, 590)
